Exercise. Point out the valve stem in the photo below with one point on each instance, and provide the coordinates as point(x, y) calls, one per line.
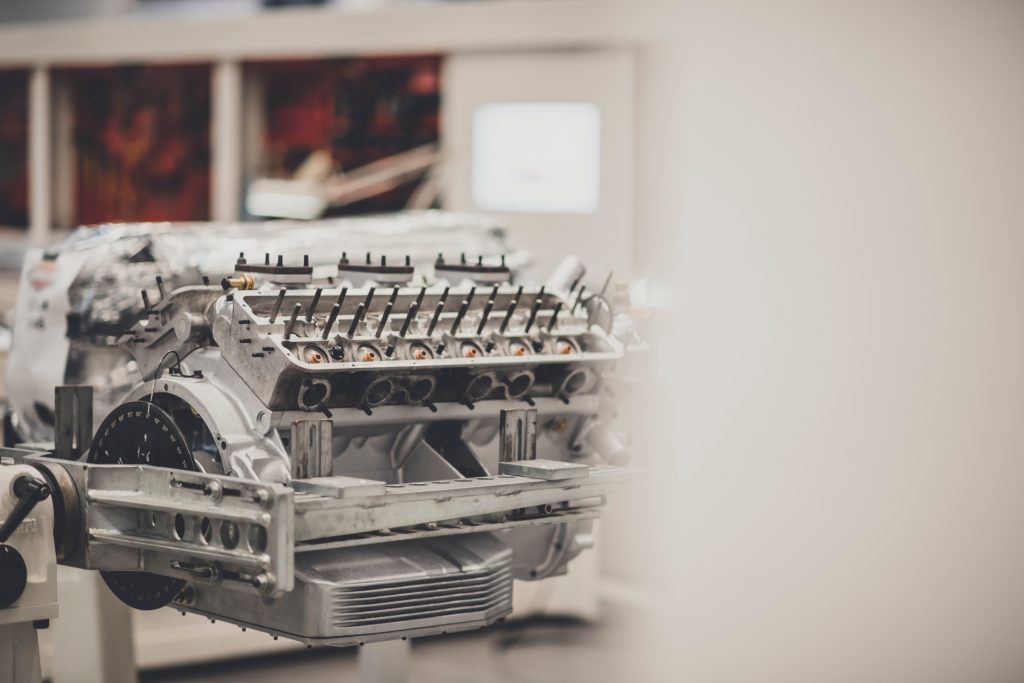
point(554, 316)
point(291, 321)
point(511, 309)
point(437, 312)
point(330, 319)
point(384, 317)
point(458, 316)
point(313, 304)
point(414, 307)
point(369, 298)
point(574, 284)
point(277, 305)
point(360, 309)
point(487, 313)
point(579, 298)
point(537, 303)
point(437, 315)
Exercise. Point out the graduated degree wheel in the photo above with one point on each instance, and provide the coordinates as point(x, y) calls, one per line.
point(141, 433)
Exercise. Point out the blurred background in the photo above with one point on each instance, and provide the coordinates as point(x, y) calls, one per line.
point(824, 201)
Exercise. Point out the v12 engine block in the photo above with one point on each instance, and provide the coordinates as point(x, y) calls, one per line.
point(375, 458)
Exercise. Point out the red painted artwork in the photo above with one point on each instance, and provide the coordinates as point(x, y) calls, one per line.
point(142, 143)
point(14, 148)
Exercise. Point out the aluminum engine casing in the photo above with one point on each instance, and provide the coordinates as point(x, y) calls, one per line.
point(380, 592)
point(381, 399)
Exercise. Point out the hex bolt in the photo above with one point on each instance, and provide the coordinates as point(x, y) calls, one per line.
point(214, 490)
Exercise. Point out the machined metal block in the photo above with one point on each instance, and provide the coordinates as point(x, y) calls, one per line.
point(549, 470)
point(311, 448)
point(517, 430)
point(340, 487)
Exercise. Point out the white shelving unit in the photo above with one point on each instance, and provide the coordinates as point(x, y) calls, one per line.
point(227, 42)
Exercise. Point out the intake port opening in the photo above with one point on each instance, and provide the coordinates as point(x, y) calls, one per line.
point(575, 382)
point(420, 388)
point(313, 394)
point(516, 386)
point(379, 391)
point(479, 387)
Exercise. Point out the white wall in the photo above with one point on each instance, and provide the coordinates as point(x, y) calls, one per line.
point(602, 239)
point(846, 230)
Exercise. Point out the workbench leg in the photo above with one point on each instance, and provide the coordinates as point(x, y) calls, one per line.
point(92, 637)
point(19, 653)
point(385, 662)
